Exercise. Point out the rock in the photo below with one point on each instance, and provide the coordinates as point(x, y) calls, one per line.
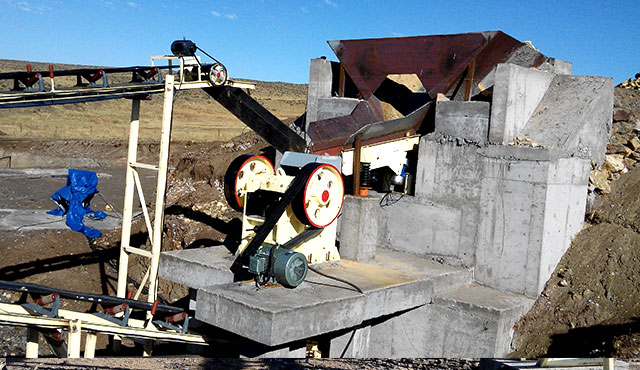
point(634, 143)
point(627, 152)
point(621, 114)
point(563, 282)
point(599, 179)
point(616, 148)
point(441, 97)
point(613, 176)
point(629, 162)
point(614, 162)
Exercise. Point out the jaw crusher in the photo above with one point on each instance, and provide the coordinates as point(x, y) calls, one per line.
point(288, 214)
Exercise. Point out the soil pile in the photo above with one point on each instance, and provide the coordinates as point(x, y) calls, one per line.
point(591, 304)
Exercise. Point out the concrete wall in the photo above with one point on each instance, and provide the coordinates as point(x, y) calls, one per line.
point(320, 81)
point(465, 120)
point(575, 115)
point(421, 227)
point(516, 94)
point(449, 175)
point(530, 210)
point(508, 211)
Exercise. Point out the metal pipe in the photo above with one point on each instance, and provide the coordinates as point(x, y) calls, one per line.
point(357, 148)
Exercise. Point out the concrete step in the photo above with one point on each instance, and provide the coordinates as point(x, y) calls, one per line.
point(395, 282)
point(467, 321)
point(197, 268)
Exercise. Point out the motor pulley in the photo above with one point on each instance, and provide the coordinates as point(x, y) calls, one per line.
point(215, 73)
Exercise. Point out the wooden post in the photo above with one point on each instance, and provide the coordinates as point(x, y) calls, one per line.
point(469, 80)
point(357, 148)
point(32, 343)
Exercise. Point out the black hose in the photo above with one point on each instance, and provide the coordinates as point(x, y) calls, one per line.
point(337, 279)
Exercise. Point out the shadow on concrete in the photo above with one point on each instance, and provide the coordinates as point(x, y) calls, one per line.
point(593, 341)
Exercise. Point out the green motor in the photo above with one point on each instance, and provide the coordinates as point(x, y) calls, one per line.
point(289, 268)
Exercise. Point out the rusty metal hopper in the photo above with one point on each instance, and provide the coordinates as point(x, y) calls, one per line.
point(440, 62)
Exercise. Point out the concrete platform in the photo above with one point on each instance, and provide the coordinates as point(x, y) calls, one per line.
point(277, 315)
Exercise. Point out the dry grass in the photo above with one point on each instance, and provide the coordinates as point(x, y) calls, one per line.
point(197, 117)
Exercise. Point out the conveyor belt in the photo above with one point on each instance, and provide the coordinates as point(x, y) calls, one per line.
point(89, 297)
point(77, 95)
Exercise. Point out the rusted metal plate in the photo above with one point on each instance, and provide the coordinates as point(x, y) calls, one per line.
point(438, 60)
point(434, 59)
point(334, 132)
point(371, 133)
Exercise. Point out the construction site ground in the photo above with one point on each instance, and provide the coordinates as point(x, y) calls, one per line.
point(590, 306)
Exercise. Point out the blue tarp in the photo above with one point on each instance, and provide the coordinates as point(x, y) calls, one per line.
point(73, 201)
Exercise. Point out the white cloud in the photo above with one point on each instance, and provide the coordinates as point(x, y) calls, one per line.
point(331, 3)
point(304, 10)
point(132, 4)
point(215, 14)
point(26, 6)
point(397, 34)
point(231, 16)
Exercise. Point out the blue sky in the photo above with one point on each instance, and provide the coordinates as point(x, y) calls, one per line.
point(274, 40)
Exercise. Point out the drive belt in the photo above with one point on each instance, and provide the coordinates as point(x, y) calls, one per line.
point(297, 185)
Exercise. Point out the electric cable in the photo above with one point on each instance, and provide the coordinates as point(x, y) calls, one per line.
point(110, 205)
point(337, 279)
point(388, 200)
point(37, 224)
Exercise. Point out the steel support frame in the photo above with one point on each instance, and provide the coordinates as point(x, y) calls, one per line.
point(132, 182)
point(74, 323)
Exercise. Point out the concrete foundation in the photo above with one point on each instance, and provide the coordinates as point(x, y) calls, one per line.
point(354, 343)
point(471, 320)
point(276, 316)
point(358, 239)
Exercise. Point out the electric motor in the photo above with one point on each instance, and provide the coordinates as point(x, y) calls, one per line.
point(183, 48)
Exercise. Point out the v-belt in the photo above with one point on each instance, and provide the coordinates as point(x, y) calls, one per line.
point(298, 184)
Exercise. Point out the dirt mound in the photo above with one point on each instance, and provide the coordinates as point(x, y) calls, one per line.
point(591, 304)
